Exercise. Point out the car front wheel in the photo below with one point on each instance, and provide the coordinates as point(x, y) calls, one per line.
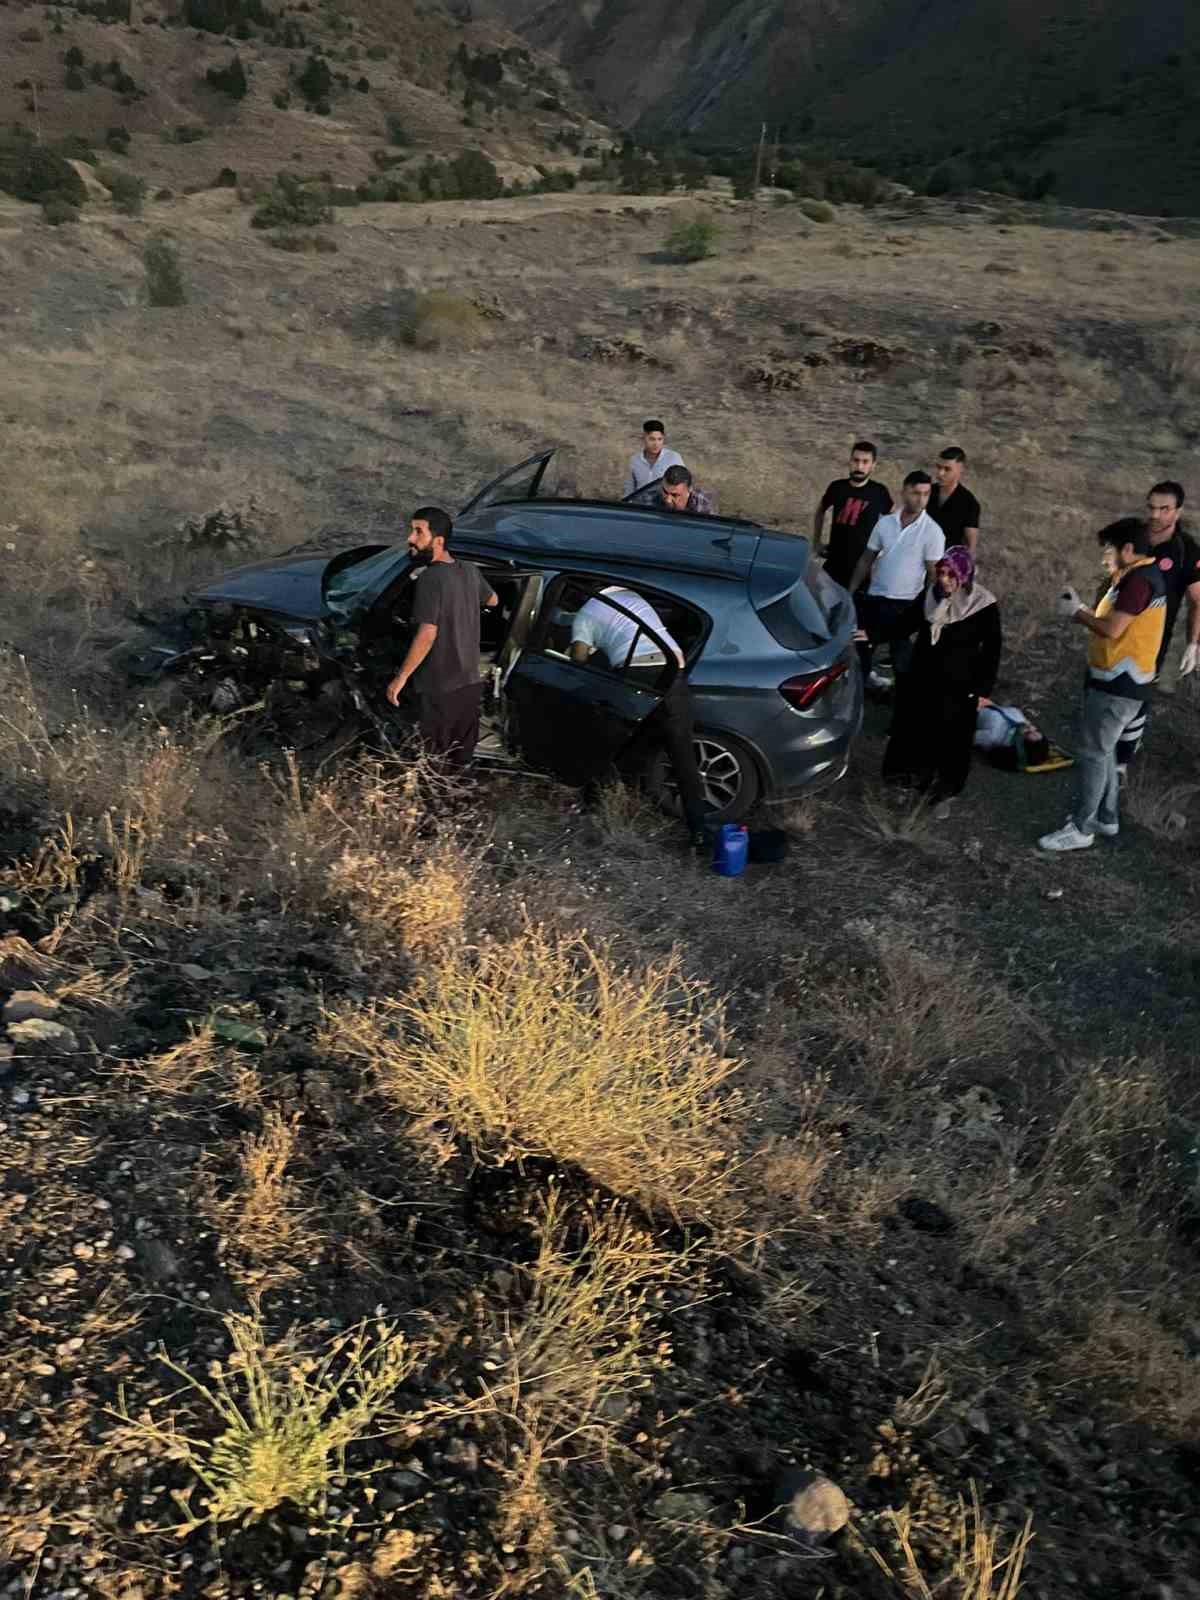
point(727, 772)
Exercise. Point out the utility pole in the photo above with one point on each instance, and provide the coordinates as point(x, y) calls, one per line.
point(758, 158)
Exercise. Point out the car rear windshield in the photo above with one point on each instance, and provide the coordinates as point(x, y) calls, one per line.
point(808, 613)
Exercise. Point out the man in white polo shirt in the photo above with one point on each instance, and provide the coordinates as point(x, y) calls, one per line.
point(652, 460)
point(901, 554)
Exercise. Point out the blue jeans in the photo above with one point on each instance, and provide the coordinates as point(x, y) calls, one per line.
point(1106, 717)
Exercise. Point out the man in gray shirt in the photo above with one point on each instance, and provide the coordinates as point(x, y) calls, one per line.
point(442, 661)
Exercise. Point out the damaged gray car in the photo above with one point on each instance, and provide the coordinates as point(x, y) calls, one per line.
point(766, 636)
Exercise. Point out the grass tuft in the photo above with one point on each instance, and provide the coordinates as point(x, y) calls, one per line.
point(286, 1418)
point(543, 1046)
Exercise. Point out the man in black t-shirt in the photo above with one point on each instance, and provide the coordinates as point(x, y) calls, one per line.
point(952, 505)
point(1177, 556)
point(443, 658)
point(857, 504)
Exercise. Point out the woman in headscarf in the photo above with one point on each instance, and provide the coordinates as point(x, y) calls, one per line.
point(953, 673)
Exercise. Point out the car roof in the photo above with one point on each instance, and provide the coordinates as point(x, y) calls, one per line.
point(600, 533)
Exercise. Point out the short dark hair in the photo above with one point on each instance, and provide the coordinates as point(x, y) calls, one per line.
point(653, 425)
point(917, 477)
point(676, 475)
point(865, 445)
point(438, 521)
point(952, 453)
point(1128, 530)
point(1168, 486)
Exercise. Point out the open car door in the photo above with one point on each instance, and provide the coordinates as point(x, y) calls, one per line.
point(521, 482)
point(572, 718)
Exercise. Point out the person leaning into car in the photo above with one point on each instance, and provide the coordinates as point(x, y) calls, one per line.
point(602, 635)
point(442, 662)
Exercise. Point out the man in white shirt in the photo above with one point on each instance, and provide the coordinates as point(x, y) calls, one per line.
point(601, 628)
point(900, 559)
point(600, 631)
point(652, 460)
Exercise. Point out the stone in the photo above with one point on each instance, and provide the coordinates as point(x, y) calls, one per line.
point(196, 974)
point(679, 1505)
point(463, 1454)
point(978, 1423)
point(159, 1260)
point(36, 1036)
point(23, 1004)
point(407, 1482)
point(811, 1507)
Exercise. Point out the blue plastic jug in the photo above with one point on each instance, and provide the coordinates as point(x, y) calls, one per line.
point(730, 848)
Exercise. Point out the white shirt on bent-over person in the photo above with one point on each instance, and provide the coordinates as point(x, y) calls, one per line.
point(601, 628)
point(899, 571)
point(641, 472)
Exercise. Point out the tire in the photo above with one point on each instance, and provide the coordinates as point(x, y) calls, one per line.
point(727, 769)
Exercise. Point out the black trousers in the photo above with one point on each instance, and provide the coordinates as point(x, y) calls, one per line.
point(449, 722)
point(932, 738)
point(672, 725)
point(887, 621)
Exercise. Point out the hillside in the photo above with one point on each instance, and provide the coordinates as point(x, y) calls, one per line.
point(1104, 93)
point(394, 84)
point(930, 1101)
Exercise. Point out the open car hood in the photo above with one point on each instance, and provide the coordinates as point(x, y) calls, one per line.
point(286, 586)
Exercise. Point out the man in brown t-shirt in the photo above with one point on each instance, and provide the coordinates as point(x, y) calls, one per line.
point(443, 658)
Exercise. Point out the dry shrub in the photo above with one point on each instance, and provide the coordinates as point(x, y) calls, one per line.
point(894, 1012)
point(351, 842)
point(421, 907)
point(981, 1568)
point(260, 1222)
point(441, 320)
point(896, 817)
point(1127, 1354)
point(1161, 807)
point(582, 1336)
point(286, 1417)
point(542, 1046)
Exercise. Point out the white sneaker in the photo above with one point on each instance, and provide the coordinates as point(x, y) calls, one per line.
point(879, 680)
point(1110, 830)
point(1068, 838)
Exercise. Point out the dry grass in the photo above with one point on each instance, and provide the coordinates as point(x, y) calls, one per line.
point(982, 1568)
point(285, 1418)
point(441, 320)
point(419, 907)
point(1165, 808)
point(262, 1224)
point(543, 1046)
point(583, 1335)
point(895, 1015)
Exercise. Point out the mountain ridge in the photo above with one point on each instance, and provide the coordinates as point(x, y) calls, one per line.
point(1103, 92)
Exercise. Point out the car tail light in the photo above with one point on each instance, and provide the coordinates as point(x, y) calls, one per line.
point(807, 687)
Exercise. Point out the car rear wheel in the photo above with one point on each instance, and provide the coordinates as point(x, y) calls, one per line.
point(727, 771)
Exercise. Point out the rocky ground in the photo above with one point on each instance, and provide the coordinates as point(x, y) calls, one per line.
point(960, 1254)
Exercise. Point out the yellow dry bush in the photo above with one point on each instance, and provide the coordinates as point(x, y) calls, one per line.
point(543, 1046)
point(442, 320)
point(261, 1221)
point(421, 907)
point(286, 1418)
